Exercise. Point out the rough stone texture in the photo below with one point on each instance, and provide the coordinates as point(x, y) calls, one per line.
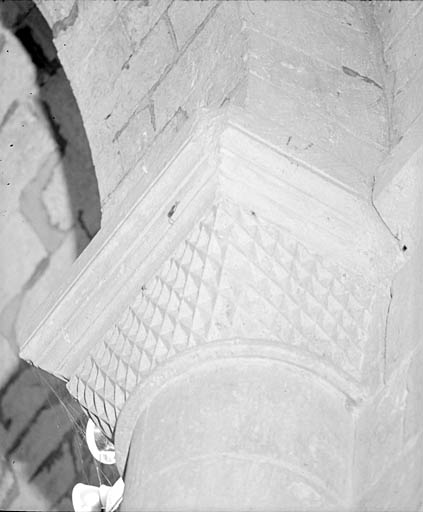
point(403, 479)
point(401, 29)
point(24, 133)
point(16, 415)
point(186, 18)
point(10, 360)
point(117, 72)
point(42, 437)
point(134, 137)
point(48, 197)
point(14, 272)
point(189, 84)
point(47, 478)
point(17, 79)
point(8, 485)
point(139, 18)
point(335, 86)
point(53, 420)
point(35, 210)
point(333, 63)
point(144, 68)
point(399, 428)
point(58, 202)
point(62, 258)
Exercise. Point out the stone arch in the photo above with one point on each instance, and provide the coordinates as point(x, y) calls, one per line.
point(60, 108)
point(50, 210)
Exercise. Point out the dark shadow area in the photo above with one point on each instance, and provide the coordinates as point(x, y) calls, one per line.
point(51, 446)
point(61, 111)
point(42, 428)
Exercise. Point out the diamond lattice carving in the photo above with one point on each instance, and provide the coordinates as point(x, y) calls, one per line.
point(236, 275)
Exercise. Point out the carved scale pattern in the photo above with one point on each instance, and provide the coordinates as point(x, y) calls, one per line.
point(235, 276)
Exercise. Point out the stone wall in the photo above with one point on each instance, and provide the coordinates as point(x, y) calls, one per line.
point(396, 430)
point(315, 74)
point(49, 212)
point(400, 26)
point(140, 71)
point(336, 85)
point(50, 205)
point(401, 31)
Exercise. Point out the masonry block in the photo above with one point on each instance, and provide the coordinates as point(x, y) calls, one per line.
point(135, 136)
point(333, 92)
point(158, 153)
point(393, 18)
point(7, 319)
point(160, 150)
point(57, 200)
point(343, 15)
point(186, 18)
point(379, 436)
point(408, 105)
point(119, 98)
point(315, 35)
point(78, 29)
point(73, 179)
point(8, 484)
point(189, 76)
point(99, 73)
point(34, 209)
point(56, 11)
point(140, 73)
point(9, 361)
point(18, 77)
point(25, 145)
point(106, 158)
point(57, 475)
point(302, 117)
point(15, 272)
point(226, 79)
point(402, 33)
point(50, 425)
point(59, 261)
point(28, 497)
point(139, 18)
point(403, 44)
point(17, 415)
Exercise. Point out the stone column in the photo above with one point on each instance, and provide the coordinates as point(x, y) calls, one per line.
point(228, 338)
point(236, 427)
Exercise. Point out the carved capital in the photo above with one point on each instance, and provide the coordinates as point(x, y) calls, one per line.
point(237, 248)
